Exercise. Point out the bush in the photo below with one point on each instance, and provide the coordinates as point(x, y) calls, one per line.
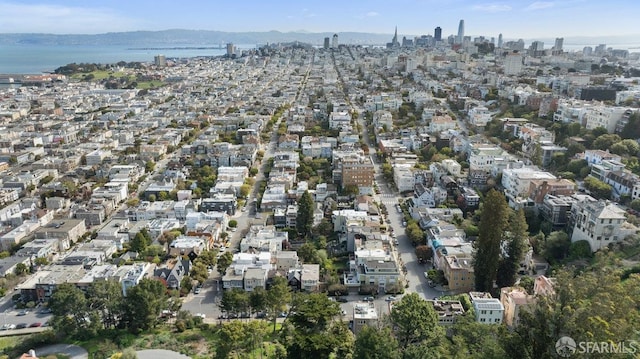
point(337, 289)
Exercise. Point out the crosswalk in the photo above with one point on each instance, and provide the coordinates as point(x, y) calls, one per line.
point(388, 198)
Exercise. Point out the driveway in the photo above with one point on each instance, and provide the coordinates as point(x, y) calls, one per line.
point(160, 354)
point(73, 351)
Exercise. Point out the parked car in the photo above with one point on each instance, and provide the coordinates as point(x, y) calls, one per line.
point(21, 326)
point(35, 325)
point(391, 298)
point(342, 299)
point(11, 326)
point(23, 312)
point(368, 299)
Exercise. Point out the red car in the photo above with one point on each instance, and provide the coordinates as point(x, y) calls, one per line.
point(35, 325)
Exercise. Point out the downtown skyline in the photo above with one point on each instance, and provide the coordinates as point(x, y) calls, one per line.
point(514, 19)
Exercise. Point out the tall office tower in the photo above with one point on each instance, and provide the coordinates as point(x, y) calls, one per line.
point(230, 49)
point(500, 41)
point(600, 49)
point(493, 40)
point(587, 51)
point(460, 36)
point(536, 49)
point(326, 43)
point(334, 43)
point(160, 60)
point(558, 45)
point(437, 34)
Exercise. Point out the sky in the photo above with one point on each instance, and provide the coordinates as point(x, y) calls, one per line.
point(514, 19)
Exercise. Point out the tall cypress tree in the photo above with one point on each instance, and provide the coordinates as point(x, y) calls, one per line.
point(304, 220)
point(493, 222)
point(517, 239)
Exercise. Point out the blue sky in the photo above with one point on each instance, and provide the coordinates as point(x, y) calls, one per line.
point(515, 19)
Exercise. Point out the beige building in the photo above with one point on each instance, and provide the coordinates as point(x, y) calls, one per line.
point(514, 300)
point(459, 273)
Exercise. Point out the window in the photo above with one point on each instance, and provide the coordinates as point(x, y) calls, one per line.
point(599, 238)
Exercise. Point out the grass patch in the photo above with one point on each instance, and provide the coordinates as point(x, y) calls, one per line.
point(9, 342)
point(149, 84)
point(99, 75)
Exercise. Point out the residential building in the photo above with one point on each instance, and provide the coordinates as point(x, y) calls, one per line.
point(447, 311)
point(358, 173)
point(514, 300)
point(310, 277)
point(459, 273)
point(599, 223)
point(364, 314)
point(255, 278)
point(488, 310)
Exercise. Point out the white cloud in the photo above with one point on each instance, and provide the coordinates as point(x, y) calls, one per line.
point(58, 19)
point(492, 8)
point(371, 14)
point(539, 5)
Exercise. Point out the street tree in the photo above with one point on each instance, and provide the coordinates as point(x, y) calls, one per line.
point(493, 222)
point(234, 301)
point(258, 299)
point(277, 298)
point(224, 262)
point(199, 272)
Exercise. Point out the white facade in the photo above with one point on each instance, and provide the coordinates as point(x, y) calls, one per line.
point(602, 116)
point(479, 116)
point(403, 177)
point(599, 223)
point(488, 310)
point(512, 64)
point(516, 180)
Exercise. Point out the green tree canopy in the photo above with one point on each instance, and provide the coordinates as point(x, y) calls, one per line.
point(414, 320)
point(493, 222)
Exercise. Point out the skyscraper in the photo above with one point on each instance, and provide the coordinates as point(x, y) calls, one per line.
point(231, 50)
point(326, 43)
point(460, 36)
point(500, 41)
point(334, 43)
point(558, 45)
point(437, 34)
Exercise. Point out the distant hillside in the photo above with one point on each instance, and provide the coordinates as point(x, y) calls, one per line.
point(190, 37)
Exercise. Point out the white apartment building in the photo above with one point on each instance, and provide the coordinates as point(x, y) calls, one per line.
point(340, 120)
point(441, 123)
point(403, 177)
point(512, 64)
point(571, 111)
point(599, 223)
point(516, 181)
point(479, 116)
point(603, 116)
point(488, 310)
